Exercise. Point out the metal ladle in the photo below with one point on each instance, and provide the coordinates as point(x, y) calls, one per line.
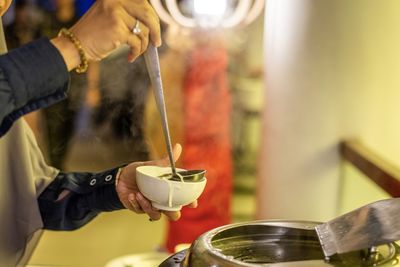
point(153, 67)
point(186, 176)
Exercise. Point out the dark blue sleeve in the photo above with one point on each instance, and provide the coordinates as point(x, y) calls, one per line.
point(31, 77)
point(89, 195)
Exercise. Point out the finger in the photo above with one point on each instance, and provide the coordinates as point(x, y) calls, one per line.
point(136, 46)
point(135, 207)
point(177, 150)
point(137, 42)
point(146, 14)
point(193, 205)
point(144, 37)
point(131, 23)
point(172, 215)
point(146, 206)
point(155, 36)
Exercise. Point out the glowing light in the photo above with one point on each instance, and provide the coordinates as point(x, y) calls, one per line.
point(238, 15)
point(209, 13)
point(173, 8)
point(162, 13)
point(210, 7)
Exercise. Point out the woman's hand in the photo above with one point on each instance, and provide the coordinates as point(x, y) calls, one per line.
point(132, 199)
point(107, 25)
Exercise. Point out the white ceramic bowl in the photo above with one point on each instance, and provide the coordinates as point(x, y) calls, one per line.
point(165, 194)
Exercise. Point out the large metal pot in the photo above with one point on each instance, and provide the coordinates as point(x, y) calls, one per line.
point(273, 243)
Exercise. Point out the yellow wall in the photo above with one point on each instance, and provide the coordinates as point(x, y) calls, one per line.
point(333, 72)
point(357, 190)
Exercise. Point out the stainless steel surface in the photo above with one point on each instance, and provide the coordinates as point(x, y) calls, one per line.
point(273, 243)
point(371, 225)
point(153, 67)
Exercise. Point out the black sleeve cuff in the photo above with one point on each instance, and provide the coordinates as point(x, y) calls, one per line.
point(104, 196)
point(89, 195)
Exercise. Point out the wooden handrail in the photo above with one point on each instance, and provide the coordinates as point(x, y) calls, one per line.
point(379, 170)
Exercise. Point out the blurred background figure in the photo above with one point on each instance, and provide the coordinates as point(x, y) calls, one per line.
point(199, 110)
point(207, 142)
point(202, 54)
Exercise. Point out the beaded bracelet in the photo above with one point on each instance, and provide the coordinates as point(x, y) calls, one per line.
point(83, 66)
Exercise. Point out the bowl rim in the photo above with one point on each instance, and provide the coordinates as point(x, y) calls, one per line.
point(203, 180)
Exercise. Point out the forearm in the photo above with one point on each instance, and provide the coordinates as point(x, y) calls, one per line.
point(88, 195)
point(31, 77)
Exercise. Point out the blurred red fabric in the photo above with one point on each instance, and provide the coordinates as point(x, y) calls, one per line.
point(207, 145)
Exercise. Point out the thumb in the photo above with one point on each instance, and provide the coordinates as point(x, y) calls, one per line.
point(177, 150)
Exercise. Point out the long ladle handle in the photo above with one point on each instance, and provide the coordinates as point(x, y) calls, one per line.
point(153, 67)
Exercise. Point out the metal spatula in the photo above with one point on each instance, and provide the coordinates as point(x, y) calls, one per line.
point(371, 225)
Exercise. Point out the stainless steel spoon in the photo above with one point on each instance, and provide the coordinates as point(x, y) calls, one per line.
point(153, 67)
point(186, 176)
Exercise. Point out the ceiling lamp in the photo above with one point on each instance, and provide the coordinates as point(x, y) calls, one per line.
point(208, 13)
